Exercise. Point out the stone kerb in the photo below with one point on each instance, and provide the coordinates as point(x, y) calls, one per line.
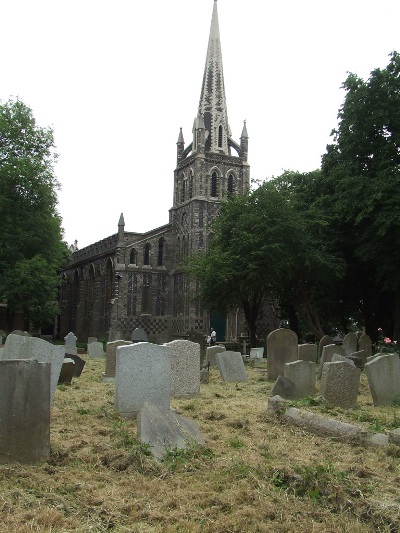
point(231, 367)
point(282, 347)
point(328, 352)
point(24, 411)
point(383, 373)
point(211, 352)
point(325, 341)
point(350, 343)
point(143, 374)
point(308, 352)
point(340, 382)
point(365, 344)
point(185, 367)
point(303, 376)
point(23, 347)
point(111, 358)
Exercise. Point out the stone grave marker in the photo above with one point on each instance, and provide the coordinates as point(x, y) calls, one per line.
point(185, 365)
point(350, 343)
point(307, 352)
point(139, 335)
point(24, 411)
point(111, 359)
point(365, 344)
point(142, 374)
point(340, 382)
point(361, 354)
point(79, 364)
point(326, 339)
point(337, 357)
point(20, 332)
point(282, 347)
point(204, 376)
point(211, 352)
point(383, 374)
point(256, 353)
point(96, 350)
point(303, 376)
point(67, 371)
point(91, 339)
point(283, 387)
point(70, 344)
point(328, 352)
point(2, 336)
point(231, 367)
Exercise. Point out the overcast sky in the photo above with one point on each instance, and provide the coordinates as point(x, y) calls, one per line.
point(116, 80)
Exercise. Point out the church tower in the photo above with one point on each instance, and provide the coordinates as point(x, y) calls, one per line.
point(209, 169)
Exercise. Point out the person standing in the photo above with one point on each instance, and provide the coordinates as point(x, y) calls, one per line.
point(213, 337)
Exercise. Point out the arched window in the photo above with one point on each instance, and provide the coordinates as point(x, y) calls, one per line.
point(146, 255)
point(231, 185)
point(183, 187)
point(191, 186)
point(133, 257)
point(214, 189)
point(161, 252)
point(220, 137)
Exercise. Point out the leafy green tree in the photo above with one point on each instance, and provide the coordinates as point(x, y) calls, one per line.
point(31, 246)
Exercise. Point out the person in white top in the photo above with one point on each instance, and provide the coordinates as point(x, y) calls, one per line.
point(213, 336)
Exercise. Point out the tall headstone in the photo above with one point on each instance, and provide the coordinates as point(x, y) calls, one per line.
point(365, 343)
point(231, 367)
point(70, 344)
point(303, 376)
point(96, 350)
point(328, 352)
point(383, 373)
point(185, 367)
point(111, 358)
point(326, 339)
point(79, 364)
point(24, 411)
point(308, 352)
point(67, 371)
point(282, 348)
point(350, 343)
point(143, 374)
point(211, 352)
point(340, 382)
point(139, 335)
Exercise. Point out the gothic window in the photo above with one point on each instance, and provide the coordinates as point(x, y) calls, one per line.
point(201, 217)
point(132, 294)
point(161, 243)
point(132, 257)
point(183, 187)
point(146, 255)
point(220, 137)
point(191, 186)
point(160, 300)
point(231, 185)
point(201, 241)
point(183, 247)
point(146, 294)
point(214, 184)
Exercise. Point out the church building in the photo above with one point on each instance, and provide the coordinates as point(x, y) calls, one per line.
point(131, 280)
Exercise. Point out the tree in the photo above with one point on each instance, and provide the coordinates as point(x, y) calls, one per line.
point(31, 246)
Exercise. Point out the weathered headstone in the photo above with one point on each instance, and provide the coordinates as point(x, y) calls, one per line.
point(163, 429)
point(96, 350)
point(282, 347)
point(139, 335)
point(79, 364)
point(185, 365)
point(340, 382)
point(20, 332)
point(326, 339)
point(328, 352)
point(361, 354)
point(91, 339)
point(204, 376)
point(303, 376)
point(337, 357)
point(24, 411)
point(283, 387)
point(211, 352)
point(67, 371)
point(143, 374)
point(70, 344)
point(23, 347)
point(350, 343)
point(256, 353)
point(307, 352)
point(231, 367)
point(383, 374)
point(111, 358)
point(365, 343)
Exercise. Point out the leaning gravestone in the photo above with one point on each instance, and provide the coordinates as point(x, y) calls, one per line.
point(24, 411)
point(22, 347)
point(163, 430)
point(328, 352)
point(139, 335)
point(70, 344)
point(303, 376)
point(350, 343)
point(283, 387)
point(282, 347)
point(185, 367)
point(231, 367)
point(67, 371)
point(111, 358)
point(142, 374)
point(383, 374)
point(79, 364)
point(96, 350)
point(211, 352)
point(340, 382)
point(307, 352)
point(361, 354)
point(326, 339)
point(365, 344)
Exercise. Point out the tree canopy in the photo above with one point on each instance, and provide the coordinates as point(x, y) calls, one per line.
point(31, 246)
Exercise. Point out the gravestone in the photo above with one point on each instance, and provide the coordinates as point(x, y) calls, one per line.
point(282, 348)
point(340, 382)
point(328, 352)
point(231, 367)
point(211, 352)
point(361, 354)
point(383, 374)
point(96, 350)
point(204, 376)
point(91, 339)
point(163, 430)
point(20, 332)
point(2, 336)
point(326, 339)
point(139, 335)
point(307, 352)
point(303, 376)
point(70, 344)
point(185, 365)
point(111, 358)
point(79, 364)
point(24, 411)
point(350, 343)
point(23, 347)
point(142, 374)
point(365, 344)
point(283, 387)
point(67, 371)
point(337, 357)
point(256, 353)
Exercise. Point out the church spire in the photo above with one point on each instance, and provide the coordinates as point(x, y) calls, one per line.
point(212, 104)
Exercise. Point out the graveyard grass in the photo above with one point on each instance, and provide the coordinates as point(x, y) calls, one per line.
point(254, 474)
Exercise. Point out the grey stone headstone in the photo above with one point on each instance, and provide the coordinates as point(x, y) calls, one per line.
point(361, 354)
point(139, 335)
point(70, 344)
point(350, 343)
point(67, 371)
point(256, 353)
point(326, 339)
point(91, 339)
point(111, 358)
point(204, 376)
point(79, 364)
point(283, 387)
point(340, 382)
point(282, 347)
point(307, 352)
point(20, 332)
point(211, 352)
point(337, 357)
point(231, 367)
point(383, 374)
point(185, 364)
point(143, 374)
point(24, 411)
point(328, 351)
point(96, 350)
point(163, 429)
point(303, 376)
point(365, 344)
point(23, 347)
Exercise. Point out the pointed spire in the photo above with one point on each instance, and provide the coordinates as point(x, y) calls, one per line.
point(212, 103)
point(244, 131)
point(180, 138)
point(121, 220)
